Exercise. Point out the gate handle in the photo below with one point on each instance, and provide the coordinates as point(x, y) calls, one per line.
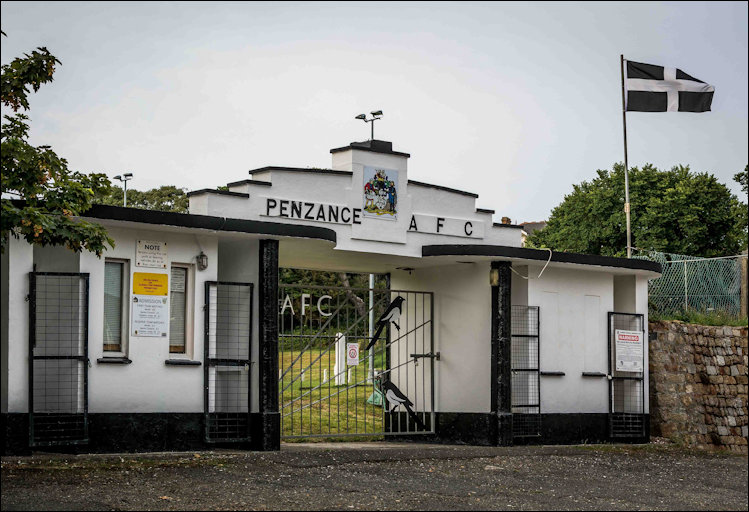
point(430, 355)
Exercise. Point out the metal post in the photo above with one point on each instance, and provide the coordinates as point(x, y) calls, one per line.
point(371, 326)
point(125, 182)
point(686, 293)
point(373, 120)
point(626, 166)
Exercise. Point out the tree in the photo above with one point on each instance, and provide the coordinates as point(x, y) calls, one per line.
point(166, 198)
point(675, 211)
point(50, 196)
point(742, 178)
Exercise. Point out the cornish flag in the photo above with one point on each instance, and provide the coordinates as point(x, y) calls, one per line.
point(652, 88)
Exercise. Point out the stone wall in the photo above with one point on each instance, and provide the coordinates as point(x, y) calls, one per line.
point(698, 384)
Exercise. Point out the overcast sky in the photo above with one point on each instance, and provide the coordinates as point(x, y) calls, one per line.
point(516, 102)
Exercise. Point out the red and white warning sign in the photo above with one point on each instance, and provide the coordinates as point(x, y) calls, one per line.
point(352, 354)
point(629, 350)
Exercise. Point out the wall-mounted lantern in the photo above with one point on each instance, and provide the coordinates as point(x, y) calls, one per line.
point(494, 277)
point(202, 260)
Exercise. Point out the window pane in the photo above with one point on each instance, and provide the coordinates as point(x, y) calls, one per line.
point(113, 305)
point(177, 310)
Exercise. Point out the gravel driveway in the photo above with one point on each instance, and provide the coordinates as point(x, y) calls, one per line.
point(386, 476)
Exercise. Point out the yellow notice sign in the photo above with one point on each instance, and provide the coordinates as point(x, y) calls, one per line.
point(150, 284)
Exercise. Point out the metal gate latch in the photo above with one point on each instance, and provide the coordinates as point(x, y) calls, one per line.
point(429, 355)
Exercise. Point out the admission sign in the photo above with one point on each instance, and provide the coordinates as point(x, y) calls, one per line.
point(150, 314)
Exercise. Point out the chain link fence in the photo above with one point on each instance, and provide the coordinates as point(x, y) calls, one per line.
point(697, 284)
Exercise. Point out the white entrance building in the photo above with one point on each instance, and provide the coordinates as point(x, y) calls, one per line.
point(132, 351)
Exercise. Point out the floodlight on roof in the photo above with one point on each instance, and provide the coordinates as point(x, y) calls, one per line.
point(124, 178)
point(375, 116)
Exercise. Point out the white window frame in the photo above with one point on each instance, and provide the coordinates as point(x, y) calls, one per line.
point(189, 313)
point(124, 313)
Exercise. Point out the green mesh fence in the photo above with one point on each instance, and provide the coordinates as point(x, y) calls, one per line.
point(700, 284)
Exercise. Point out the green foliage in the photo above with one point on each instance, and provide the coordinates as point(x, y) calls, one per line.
point(321, 278)
point(50, 195)
point(676, 211)
point(166, 198)
point(692, 316)
point(742, 178)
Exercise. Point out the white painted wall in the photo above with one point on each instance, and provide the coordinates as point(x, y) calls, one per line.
point(4, 290)
point(379, 236)
point(20, 256)
point(56, 259)
point(238, 262)
point(462, 330)
point(641, 306)
point(148, 384)
point(573, 325)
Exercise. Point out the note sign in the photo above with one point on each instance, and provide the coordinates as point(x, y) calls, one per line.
point(150, 254)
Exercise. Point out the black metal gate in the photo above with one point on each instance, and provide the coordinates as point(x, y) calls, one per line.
point(58, 358)
point(388, 389)
point(526, 383)
point(227, 356)
point(626, 386)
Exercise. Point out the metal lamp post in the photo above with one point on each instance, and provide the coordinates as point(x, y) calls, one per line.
point(124, 178)
point(376, 114)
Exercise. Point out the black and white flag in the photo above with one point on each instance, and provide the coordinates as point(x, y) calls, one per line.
point(652, 88)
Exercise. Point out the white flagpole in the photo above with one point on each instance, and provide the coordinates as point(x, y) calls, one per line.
point(626, 167)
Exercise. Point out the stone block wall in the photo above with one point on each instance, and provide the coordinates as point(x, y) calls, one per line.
point(698, 384)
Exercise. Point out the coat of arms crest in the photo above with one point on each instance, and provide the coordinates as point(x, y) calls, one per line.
point(380, 193)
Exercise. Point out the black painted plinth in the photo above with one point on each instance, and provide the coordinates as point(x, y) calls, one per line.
point(467, 428)
point(15, 432)
point(266, 431)
point(148, 432)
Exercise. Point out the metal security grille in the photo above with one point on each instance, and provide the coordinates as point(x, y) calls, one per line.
point(228, 352)
point(693, 283)
point(58, 358)
point(388, 390)
point(526, 384)
point(626, 389)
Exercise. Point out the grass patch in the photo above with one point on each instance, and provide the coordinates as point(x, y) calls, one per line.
point(317, 407)
point(691, 316)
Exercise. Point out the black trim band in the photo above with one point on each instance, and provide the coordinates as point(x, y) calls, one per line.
point(500, 225)
point(539, 254)
point(440, 187)
point(249, 182)
point(182, 362)
point(373, 146)
point(187, 220)
point(551, 374)
point(300, 169)
point(219, 192)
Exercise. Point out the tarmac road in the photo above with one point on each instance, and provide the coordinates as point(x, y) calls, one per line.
point(384, 476)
